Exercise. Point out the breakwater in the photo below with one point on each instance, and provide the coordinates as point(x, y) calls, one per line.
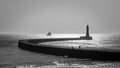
point(32, 45)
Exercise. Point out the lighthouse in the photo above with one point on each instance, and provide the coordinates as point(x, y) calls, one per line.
point(87, 31)
point(87, 37)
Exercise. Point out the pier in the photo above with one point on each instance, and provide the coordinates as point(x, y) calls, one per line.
point(93, 54)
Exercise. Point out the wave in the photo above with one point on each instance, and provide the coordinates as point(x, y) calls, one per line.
point(67, 65)
point(10, 40)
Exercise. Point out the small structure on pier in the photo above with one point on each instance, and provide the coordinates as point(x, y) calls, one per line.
point(87, 37)
point(49, 34)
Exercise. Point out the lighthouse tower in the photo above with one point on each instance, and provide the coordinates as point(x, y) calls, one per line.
point(87, 37)
point(87, 31)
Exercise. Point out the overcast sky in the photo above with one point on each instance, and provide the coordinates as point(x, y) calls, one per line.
point(59, 16)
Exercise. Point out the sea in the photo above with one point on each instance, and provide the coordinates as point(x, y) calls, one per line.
point(11, 56)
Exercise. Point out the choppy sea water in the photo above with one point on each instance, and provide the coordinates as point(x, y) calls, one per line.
point(12, 56)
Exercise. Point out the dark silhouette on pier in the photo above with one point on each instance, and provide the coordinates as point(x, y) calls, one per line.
point(49, 34)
